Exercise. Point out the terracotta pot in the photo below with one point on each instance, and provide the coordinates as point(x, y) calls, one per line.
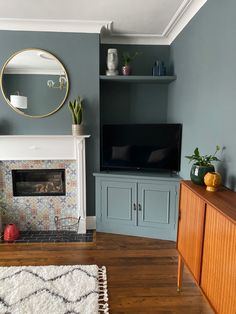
point(11, 233)
point(212, 181)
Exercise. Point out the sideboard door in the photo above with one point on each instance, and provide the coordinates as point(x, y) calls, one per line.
point(218, 280)
point(190, 230)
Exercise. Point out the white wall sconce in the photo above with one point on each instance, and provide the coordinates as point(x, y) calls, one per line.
point(62, 82)
point(18, 101)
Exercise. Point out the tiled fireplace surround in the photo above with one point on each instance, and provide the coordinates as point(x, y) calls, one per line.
point(43, 152)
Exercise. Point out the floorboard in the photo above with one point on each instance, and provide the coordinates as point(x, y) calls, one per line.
point(142, 273)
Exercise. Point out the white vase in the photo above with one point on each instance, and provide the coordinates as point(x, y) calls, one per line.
point(112, 62)
point(77, 129)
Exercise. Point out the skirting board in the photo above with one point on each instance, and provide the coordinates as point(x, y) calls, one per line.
point(91, 222)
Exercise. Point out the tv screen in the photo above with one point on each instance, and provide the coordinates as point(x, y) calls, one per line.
point(147, 147)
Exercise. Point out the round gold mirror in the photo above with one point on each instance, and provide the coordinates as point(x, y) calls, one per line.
point(34, 83)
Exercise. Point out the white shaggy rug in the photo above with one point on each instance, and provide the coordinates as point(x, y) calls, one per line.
point(77, 289)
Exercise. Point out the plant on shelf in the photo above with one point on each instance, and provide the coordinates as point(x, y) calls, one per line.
point(127, 58)
point(202, 165)
point(76, 111)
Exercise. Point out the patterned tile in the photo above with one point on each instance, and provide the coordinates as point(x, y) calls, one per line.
point(38, 212)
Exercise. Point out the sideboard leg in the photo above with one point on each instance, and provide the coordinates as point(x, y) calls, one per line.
point(180, 273)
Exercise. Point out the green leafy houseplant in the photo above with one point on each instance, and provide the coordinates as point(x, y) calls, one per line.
point(76, 110)
point(203, 160)
point(127, 57)
point(202, 165)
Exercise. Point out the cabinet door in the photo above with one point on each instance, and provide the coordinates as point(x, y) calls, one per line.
point(156, 204)
point(190, 230)
point(218, 279)
point(118, 201)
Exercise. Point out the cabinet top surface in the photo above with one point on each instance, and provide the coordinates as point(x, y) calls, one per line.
point(224, 200)
point(136, 175)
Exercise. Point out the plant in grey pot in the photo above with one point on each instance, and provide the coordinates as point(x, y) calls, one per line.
point(202, 165)
point(76, 111)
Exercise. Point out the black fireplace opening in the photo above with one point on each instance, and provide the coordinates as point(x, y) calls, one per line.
point(38, 182)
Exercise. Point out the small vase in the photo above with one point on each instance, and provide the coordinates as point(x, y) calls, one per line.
point(126, 70)
point(77, 130)
point(197, 173)
point(11, 233)
point(212, 181)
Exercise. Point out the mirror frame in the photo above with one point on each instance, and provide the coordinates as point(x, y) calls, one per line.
point(19, 111)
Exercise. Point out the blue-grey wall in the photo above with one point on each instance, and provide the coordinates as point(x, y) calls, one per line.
point(139, 102)
point(80, 55)
point(204, 94)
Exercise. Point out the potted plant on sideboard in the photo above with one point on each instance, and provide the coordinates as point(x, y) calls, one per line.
point(76, 111)
point(202, 165)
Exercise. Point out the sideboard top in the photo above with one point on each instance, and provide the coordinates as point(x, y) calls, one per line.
point(224, 200)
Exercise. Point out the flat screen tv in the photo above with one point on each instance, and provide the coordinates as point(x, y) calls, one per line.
point(144, 147)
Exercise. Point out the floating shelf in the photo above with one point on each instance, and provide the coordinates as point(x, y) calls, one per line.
point(139, 79)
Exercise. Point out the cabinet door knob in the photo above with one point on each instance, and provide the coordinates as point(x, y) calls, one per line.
point(139, 207)
point(134, 206)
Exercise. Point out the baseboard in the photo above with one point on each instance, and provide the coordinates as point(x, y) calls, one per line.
point(91, 222)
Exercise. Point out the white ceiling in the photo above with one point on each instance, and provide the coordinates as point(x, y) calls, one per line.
point(127, 21)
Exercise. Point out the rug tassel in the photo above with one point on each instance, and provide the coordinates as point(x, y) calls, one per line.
point(103, 294)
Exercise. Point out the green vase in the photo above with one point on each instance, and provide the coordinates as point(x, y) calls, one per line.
point(198, 173)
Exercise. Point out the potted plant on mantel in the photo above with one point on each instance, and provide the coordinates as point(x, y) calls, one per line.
point(127, 58)
point(202, 165)
point(76, 111)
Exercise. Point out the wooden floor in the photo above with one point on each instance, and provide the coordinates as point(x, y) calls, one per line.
point(141, 272)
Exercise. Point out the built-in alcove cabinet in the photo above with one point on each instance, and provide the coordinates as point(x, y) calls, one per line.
point(137, 204)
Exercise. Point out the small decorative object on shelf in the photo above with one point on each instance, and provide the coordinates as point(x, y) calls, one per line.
point(76, 110)
point(11, 233)
point(212, 180)
point(202, 165)
point(127, 58)
point(112, 62)
point(159, 68)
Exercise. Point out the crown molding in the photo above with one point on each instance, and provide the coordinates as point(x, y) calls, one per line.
point(184, 16)
point(181, 18)
point(48, 25)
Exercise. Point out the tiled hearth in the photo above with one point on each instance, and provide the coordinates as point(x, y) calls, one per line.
point(53, 237)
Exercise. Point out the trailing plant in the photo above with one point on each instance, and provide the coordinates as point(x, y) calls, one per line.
point(127, 57)
point(203, 160)
point(76, 110)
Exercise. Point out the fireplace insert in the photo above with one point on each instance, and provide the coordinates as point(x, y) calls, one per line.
point(38, 182)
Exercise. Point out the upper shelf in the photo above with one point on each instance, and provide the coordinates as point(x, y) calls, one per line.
point(139, 79)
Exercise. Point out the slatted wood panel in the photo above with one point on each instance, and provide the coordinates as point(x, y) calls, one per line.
point(190, 230)
point(218, 279)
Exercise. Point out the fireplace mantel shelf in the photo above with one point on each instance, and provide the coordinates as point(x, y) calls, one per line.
point(51, 147)
point(39, 147)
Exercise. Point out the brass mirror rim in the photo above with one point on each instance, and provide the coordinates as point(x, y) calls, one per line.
point(8, 101)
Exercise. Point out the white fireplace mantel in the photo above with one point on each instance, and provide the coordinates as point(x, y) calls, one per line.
point(51, 147)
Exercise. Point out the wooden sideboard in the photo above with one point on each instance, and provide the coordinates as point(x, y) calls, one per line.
point(206, 243)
